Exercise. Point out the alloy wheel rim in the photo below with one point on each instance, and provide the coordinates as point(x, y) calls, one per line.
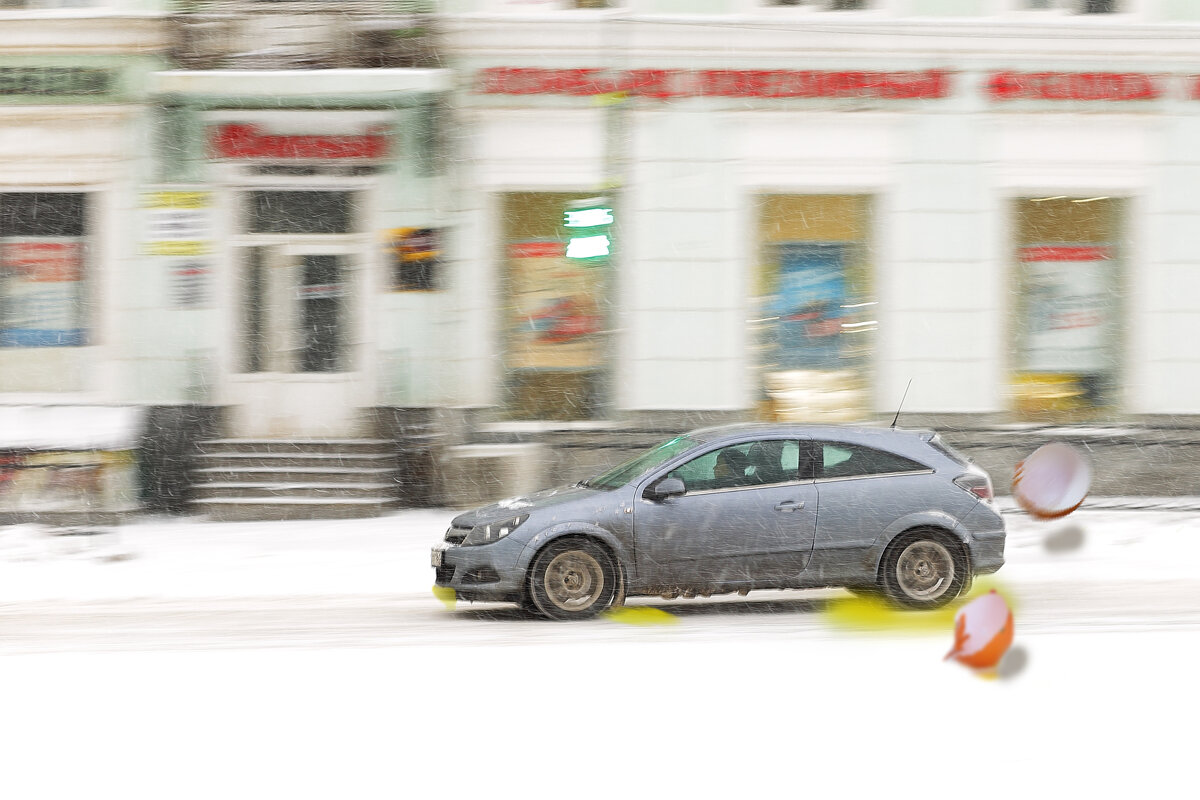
point(574, 581)
point(925, 570)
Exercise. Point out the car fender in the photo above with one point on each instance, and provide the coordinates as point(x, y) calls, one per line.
point(919, 519)
point(546, 536)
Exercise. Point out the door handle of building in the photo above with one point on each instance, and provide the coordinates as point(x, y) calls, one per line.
point(789, 505)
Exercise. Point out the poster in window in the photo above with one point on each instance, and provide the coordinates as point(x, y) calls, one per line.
point(189, 282)
point(416, 257)
point(41, 294)
point(555, 319)
point(808, 307)
point(1067, 315)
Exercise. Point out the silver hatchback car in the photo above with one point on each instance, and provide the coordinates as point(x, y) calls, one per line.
point(737, 508)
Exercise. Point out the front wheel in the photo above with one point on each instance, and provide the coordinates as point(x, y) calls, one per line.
point(573, 579)
point(924, 571)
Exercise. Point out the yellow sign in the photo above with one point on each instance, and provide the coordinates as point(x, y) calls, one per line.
point(177, 199)
point(178, 248)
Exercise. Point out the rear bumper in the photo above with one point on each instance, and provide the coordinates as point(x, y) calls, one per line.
point(986, 536)
point(987, 551)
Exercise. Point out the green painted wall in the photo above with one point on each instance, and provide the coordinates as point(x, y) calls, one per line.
point(1180, 10)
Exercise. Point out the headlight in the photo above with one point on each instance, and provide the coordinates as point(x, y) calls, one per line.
point(493, 531)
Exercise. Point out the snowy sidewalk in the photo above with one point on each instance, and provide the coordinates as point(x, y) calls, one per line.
point(191, 557)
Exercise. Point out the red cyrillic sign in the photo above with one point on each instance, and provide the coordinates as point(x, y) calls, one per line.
point(1066, 253)
point(536, 249)
point(662, 83)
point(1073, 86)
point(245, 141)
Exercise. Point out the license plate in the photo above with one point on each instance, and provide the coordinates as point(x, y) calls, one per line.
point(435, 556)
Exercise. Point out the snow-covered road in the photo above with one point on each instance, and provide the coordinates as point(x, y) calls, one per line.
point(180, 658)
point(398, 620)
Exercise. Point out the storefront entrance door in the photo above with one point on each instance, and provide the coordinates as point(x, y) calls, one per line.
point(300, 319)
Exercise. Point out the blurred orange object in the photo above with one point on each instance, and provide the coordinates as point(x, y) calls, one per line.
point(1052, 482)
point(983, 631)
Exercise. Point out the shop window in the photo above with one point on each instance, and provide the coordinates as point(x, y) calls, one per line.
point(554, 319)
point(302, 212)
point(815, 316)
point(1065, 320)
point(42, 269)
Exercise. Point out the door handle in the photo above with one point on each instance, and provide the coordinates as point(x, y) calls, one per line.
point(789, 505)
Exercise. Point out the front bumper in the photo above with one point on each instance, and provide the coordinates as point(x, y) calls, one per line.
point(488, 572)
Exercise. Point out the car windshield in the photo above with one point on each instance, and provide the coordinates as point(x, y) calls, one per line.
point(622, 474)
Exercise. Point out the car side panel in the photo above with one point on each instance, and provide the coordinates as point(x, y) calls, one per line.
point(858, 516)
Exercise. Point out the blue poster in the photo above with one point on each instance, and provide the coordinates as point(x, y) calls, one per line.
point(808, 306)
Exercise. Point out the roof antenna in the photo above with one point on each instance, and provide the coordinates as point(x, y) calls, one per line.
point(906, 388)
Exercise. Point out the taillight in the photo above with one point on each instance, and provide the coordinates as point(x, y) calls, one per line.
point(978, 485)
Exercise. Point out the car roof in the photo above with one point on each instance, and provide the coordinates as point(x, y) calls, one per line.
point(852, 432)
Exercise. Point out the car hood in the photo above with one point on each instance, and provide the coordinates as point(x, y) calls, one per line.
point(523, 504)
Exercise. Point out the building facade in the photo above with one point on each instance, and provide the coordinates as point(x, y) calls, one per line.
point(816, 203)
point(228, 216)
point(73, 125)
point(550, 231)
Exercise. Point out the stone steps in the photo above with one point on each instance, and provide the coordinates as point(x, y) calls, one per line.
point(277, 479)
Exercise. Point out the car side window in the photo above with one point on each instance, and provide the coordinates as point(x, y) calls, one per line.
point(748, 464)
point(697, 474)
point(842, 460)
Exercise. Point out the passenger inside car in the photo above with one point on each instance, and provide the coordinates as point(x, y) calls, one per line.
point(732, 470)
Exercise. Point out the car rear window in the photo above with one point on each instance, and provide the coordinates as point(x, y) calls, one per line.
point(845, 460)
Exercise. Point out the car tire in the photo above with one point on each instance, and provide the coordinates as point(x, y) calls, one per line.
point(573, 579)
point(924, 570)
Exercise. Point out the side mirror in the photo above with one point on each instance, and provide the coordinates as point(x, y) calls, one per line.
point(666, 489)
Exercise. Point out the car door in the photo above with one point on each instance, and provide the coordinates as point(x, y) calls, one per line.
point(754, 525)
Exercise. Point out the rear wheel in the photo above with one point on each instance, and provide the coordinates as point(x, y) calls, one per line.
point(573, 579)
point(924, 570)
